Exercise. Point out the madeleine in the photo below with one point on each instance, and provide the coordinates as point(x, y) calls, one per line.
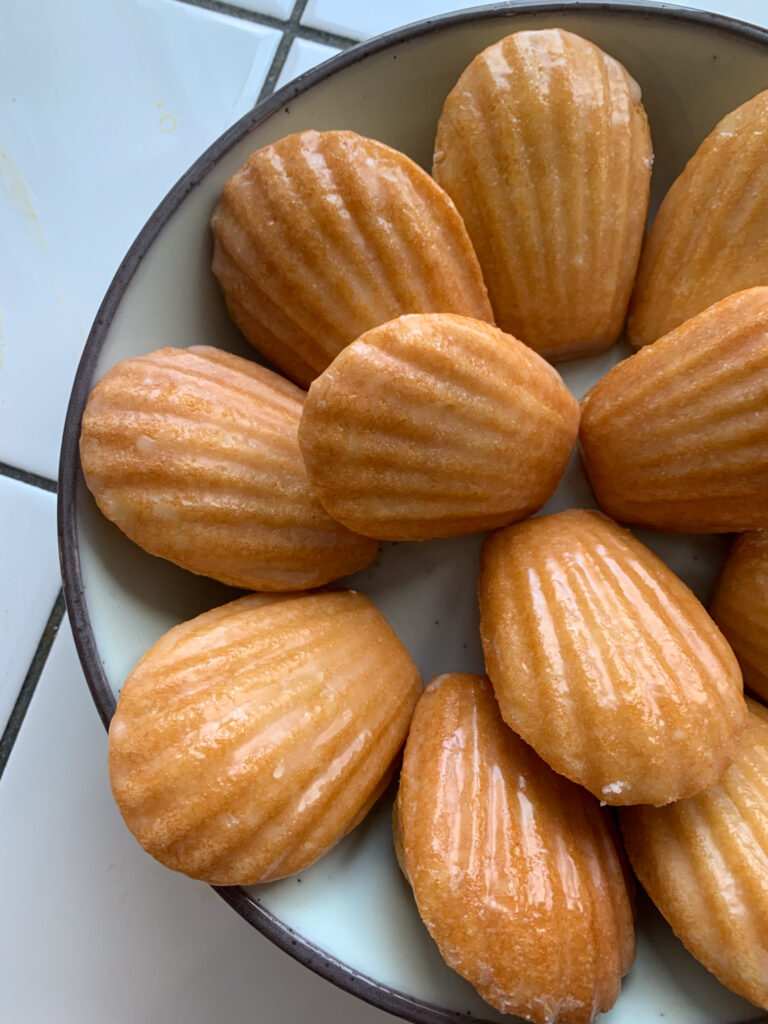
point(704, 863)
point(323, 235)
point(194, 454)
point(675, 438)
point(434, 425)
point(543, 145)
point(514, 869)
point(248, 741)
point(605, 662)
point(710, 236)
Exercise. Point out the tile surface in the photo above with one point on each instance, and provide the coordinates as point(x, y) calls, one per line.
point(361, 20)
point(97, 125)
point(303, 55)
point(117, 937)
point(275, 8)
point(29, 581)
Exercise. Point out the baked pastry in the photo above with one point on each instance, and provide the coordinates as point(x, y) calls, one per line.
point(194, 454)
point(605, 662)
point(514, 869)
point(675, 438)
point(433, 425)
point(323, 235)
point(543, 144)
point(249, 740)
point(739, 606)
point(710, 236)
point(704, 863)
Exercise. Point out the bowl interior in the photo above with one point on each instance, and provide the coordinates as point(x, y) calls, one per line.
point(351, 916)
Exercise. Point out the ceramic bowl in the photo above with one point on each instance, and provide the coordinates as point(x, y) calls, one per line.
point(351, 916)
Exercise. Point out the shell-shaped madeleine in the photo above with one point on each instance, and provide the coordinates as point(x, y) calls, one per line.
point(605, 662)
point(323, 235)
point(514, 869)
point(675, 438)
point(249, 740)
point(739, 606)
point(704, 863)
point(543, 145)
point(194, 454)
point(710, 236)
point(434, 425)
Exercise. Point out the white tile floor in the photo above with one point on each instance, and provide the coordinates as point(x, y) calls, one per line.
point(103, 103)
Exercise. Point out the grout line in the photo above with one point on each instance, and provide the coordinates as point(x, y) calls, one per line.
point(314, 35)
point(31, 680)
point(22, 475)
point(278, 62)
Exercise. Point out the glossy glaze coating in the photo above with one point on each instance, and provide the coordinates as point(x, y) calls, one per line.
point(194, 454)
point(605, 662)
point(543, 145)
point(434, 425)
point(710, 236)
point(704, 863)
point(514, 868)
point(675, 438)
point(249, 740)
point(323, 235)
point(739, 606)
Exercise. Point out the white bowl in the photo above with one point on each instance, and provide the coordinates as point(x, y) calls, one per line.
point(351, 916)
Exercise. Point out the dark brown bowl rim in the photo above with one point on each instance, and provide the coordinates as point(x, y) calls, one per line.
point(345, 977)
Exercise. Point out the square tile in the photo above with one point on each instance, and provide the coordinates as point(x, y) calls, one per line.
point(29, 581)
point(303, 55)
point(115, 936)
point(102, 111)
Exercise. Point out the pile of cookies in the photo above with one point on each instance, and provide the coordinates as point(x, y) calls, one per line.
point(422, 313)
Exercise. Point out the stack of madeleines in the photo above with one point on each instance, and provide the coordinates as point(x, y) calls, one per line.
point(420, 311)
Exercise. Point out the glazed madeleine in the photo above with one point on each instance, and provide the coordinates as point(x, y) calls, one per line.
point(514, 869)
point(194, 454)
point(323, 235)
point(605, 662)
point(543, 144)
point(675, 438)
point(248, 741)
point(710, 236)
point(739, 606)
point(704, 863)
point(434, 425)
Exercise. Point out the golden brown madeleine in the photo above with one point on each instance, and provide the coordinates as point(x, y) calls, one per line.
point(249, 740)
point(675, 438)
point(543, 145)
point(194, 454)
point(704, 863)
point(739, 606)
point(514, 868)
point(434, 425)
point(710, 236)
point(605, 662)
point(323, 235)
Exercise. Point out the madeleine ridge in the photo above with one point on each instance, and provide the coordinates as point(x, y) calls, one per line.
point(704, 863)
point(675, 438)
point(709, 238)
point(193, 453)
point(739, 606)
point(248, 741)
point(434, 425)
point(323, 235)
point(514, 869)
point(605, 662)
point(543, 144)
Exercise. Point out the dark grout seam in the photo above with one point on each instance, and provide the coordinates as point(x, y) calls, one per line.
point(31, 680)
point(314, 35)
point(43, 482)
